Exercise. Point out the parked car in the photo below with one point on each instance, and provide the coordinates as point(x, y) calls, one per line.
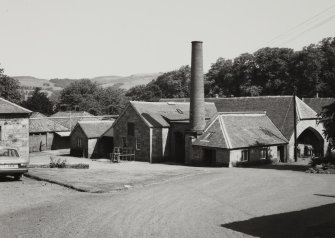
point(12, 164)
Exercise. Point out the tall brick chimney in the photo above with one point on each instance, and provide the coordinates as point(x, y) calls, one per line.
point(197, 105)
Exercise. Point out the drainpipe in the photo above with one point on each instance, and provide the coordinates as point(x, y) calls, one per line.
point(295, 127)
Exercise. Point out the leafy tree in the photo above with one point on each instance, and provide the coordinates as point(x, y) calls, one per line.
point(328, 120)
point(39, 102)
point(150, 92)
point(9, 88)
point(175, 84)
point(88, 96)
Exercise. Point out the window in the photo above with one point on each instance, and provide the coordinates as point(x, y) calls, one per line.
point(124, 141)
point(138, 144)
point(264, 153)
point(79, 142)
point(245, 155)
point(131, 129)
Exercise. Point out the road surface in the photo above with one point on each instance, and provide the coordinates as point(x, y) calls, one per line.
point(224, 203)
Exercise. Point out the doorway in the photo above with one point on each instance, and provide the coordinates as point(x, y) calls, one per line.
point(179, 147)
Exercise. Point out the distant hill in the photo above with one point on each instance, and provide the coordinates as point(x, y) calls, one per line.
point(28, 83)
point(132, 80)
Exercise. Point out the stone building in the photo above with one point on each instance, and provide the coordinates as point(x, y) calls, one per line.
point(88, 139)
point(232, 138)
point(43, 133)
point(280, 111)
point(155, 130)
point(14, 127)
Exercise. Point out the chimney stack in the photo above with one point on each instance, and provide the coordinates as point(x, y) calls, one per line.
point(197, 102)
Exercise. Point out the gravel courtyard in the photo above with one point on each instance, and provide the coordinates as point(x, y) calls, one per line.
point(214, 202)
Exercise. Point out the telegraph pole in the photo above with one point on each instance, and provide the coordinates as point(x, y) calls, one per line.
point(295, 123)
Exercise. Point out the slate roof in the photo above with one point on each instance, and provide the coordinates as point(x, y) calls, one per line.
point(278, 108)
point(63, 118)
point(159, 114)
point(318, 103)
point(40, 123)
point(95, 129)
point(7, 107)
point(240, 130)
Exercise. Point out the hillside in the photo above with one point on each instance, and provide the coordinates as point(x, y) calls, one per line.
point(28, 83)
point(132, 80)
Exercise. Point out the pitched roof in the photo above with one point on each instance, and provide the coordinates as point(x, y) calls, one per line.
point(7, 107)
point(240, 130)
point(318, 103)
point(63, 118)
point(95, 129)
point(158, 114)
point(278, 108)
point(40, 123)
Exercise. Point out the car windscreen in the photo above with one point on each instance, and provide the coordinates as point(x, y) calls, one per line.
point(8, 153)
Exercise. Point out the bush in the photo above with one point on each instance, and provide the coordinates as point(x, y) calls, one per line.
point(57, 163)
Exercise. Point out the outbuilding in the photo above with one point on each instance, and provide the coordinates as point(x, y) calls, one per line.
point(42, 133)
point(87, 140)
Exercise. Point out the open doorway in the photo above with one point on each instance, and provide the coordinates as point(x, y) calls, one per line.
point(179, 147)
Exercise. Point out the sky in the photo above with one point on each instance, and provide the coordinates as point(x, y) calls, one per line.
point(88, 38)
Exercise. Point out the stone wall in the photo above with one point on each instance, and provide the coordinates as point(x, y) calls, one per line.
point(15, 133)
point(142, 134)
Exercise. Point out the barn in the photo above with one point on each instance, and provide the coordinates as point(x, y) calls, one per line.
point(87, 139)
point(43, 133)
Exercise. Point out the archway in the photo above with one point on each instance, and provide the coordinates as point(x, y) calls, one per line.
point(310, 143)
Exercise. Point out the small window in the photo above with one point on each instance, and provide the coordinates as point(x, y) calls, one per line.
point(124, 141)
point(79, 142)
point(179, 111)
point(264, 153)
point(138, 144)
point(131, 129)
point(245, 155)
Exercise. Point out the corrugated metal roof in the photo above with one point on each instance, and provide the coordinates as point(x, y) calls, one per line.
point(240, 130)
point(7, 107)
point(63, 118)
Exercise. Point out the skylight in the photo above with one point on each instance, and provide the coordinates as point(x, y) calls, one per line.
point(179, 111)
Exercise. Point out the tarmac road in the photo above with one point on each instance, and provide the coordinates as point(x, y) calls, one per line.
point(223, 203)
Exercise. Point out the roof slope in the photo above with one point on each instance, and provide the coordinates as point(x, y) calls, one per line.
point(95, 129)
point(318, 103)
point(158, 114)
point(278, 108)
point(7, 107)
point(63, 118)
point(40, 123)
point(240, 130)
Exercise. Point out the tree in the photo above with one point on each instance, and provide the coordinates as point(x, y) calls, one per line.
point(9, 88)
point(88, 96)
point(150, 93)
point(328, 120)
point(39, 102)
point(175, 84)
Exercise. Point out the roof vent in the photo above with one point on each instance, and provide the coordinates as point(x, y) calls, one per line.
point(179, 111)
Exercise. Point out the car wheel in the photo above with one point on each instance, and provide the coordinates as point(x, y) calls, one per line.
point(17, 176)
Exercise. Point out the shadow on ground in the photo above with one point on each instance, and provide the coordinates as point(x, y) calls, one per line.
point(308, 223)
point(292, 167)
point(7, 179)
